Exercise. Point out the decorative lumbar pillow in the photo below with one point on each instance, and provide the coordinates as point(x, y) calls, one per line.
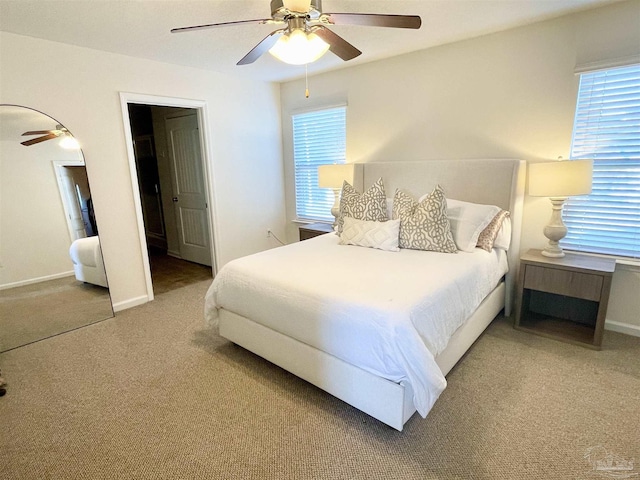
point(503, 239)
point(369, 233)
point(468, 220)
point(424, 225)
point(370, 205)
point(488, 236)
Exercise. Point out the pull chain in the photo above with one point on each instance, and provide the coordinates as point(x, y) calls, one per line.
point(306, 82)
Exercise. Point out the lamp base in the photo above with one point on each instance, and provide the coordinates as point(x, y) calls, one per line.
point(335, 210)
point(553, 252)
point(556, 230)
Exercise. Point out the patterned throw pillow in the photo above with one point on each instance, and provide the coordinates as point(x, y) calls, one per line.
point(368, 233)
point(370, 205)
point(467, 221)
point(424, 225)
point(488, 236)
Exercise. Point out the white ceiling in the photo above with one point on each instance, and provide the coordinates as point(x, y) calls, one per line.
point(141, 28)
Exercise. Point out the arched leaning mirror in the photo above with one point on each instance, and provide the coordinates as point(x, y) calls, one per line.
point(52, 276)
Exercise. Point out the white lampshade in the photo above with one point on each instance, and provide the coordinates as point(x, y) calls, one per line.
point(562, 178)
point(299, 47)
point(333, 176)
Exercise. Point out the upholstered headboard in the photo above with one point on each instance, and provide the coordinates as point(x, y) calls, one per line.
point(498, 182)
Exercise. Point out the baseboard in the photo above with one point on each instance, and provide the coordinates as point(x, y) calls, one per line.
point(620, 327)
point(31, 281)
point(130, 303)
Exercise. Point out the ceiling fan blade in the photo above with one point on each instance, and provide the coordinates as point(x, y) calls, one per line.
point(261, 48)
point(338, 45)
point(215, 25)
point(33, 141)
point(373, 20)
point(37, 132)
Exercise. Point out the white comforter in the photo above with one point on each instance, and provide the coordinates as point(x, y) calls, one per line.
point(389, 313)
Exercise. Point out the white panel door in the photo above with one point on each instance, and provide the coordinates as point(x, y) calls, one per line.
point(189, 194)
point(70, 203)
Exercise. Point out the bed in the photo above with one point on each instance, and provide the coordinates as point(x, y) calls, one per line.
point(88, 265)
point(376, 329)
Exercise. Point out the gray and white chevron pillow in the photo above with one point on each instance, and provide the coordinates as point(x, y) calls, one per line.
point(372, 234)
point(424, 225)
point(370, 205)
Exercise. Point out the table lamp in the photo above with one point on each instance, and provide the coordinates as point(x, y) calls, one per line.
point(559, 180)
point(333, 176)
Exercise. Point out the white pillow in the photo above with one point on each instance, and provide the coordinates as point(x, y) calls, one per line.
point(467, 221)
point(369, 233)
point(389, 208)
point(503, 239)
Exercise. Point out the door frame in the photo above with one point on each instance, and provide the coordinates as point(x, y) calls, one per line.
point(207, 168)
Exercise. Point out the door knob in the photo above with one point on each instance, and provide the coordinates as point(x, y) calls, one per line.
point(175, 199)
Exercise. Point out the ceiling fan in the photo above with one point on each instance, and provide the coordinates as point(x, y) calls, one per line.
point(46, 135)
point(304, 18)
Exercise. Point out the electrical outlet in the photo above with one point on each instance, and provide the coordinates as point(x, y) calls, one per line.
point(270, 234)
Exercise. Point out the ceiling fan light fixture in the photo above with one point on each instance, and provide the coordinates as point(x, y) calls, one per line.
point(299, 47)
point(68, 142)
point(306, 36)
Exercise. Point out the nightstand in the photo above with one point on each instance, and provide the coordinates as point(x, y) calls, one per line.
point(311, 230)
point(564, 298)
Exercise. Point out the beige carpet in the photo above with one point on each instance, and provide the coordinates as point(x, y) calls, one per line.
point(40, 310)
point(152, 394)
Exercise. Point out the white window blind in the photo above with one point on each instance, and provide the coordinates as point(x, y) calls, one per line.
point(607, 129)
point(319, 138)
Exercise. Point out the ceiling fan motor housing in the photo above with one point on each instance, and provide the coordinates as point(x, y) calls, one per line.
point(280, 13)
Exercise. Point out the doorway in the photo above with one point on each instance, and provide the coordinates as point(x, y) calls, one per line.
point(167, 149)
point(73, 185)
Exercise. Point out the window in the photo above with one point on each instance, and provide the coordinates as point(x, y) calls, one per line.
point(319, 138)
point(607, 129)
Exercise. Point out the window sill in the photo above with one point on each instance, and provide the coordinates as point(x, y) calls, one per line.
point(299, 221)
point(634, 264)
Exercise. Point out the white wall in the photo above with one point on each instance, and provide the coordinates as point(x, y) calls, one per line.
point(506, 95)
point(34, 238)
point(80, 87)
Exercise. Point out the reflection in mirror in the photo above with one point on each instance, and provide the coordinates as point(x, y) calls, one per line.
point(52, 277)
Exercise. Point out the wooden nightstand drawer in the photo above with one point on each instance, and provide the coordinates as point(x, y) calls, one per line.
point(563, 282)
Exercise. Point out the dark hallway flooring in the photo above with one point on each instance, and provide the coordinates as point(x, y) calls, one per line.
point(170, 273)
